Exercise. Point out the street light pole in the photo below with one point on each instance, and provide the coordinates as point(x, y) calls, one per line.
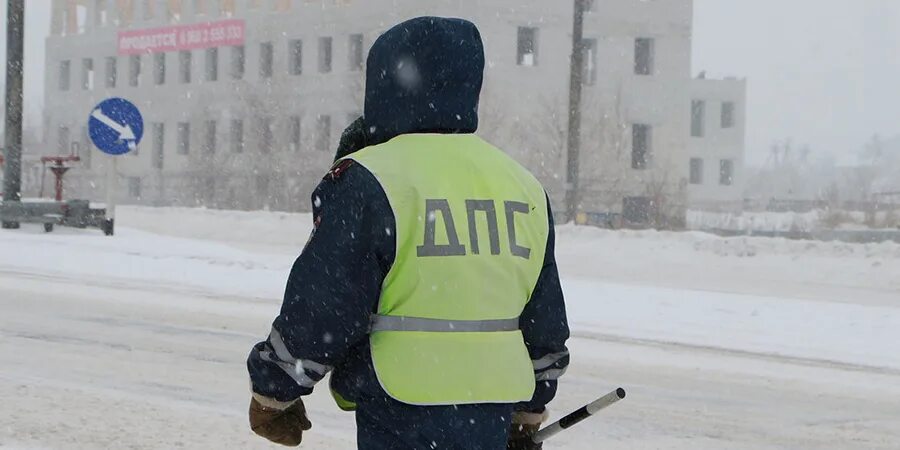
point(574, 135)
point(15, 37)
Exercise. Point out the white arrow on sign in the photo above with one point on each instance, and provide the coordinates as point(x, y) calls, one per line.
point(125, 131)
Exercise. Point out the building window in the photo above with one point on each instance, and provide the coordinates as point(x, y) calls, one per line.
point(148, 9)
point(355, 50)
point(294, 129)
point(295, 57)
point(134, 70)
point(527, 49)
point(228, 7)
point(65, 73)
point(209, 142)
point(173, 10)
point(159, 68)
point(726, 172)
point(324, 54)
point(62, 140)
point(589, 49)
point(266, 56)
point(641, 142)
point(698, 118)
point(87, 74)
point(323, 133)
point(237, 136)
point(100, 13)
point(112, 71)
point(264, 131)
point(159, 139)
point(212, 64)
point(184, 138)
point(643, 56)
point(134, 187)
point(184, 66)
point(696, 171)
point(237, 62)
point(727, 114)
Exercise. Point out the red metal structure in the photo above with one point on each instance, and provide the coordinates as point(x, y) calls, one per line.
point(59, 169)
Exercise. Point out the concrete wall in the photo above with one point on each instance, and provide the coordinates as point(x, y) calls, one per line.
point(523, 108)
point(718, 144)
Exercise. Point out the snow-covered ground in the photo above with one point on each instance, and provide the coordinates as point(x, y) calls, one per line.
point(138, 340)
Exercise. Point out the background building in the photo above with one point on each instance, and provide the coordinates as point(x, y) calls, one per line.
point(254, 123)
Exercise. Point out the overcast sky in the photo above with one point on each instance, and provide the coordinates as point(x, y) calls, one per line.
point(822, 72)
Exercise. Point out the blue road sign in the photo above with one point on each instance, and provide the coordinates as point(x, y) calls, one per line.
point(116, 126)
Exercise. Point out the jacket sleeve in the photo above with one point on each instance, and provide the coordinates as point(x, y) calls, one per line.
point(545, 328)
point(332, 289)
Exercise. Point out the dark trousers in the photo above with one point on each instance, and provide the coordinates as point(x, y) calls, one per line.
point(386, 424)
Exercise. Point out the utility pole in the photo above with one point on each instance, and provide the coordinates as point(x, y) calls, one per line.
point(575, 84)
point(15, 37)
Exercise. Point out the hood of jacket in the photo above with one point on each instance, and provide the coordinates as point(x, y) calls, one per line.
point(424, 76)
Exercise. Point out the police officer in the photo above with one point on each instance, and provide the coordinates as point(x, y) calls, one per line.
point(429, 288)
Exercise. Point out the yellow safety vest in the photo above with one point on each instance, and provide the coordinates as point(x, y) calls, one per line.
point(471, 232)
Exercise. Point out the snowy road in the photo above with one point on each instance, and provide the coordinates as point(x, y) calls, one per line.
point(119, 365)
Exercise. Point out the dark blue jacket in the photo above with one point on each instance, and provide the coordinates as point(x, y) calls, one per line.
point(334, 286)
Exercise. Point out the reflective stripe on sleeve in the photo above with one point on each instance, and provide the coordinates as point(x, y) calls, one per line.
point(548, 360)
point(550, 375)
point(304, 372)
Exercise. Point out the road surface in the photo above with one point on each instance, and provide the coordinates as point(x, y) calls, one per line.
point(124, 364)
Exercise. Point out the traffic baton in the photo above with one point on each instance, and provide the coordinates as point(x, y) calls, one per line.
point(578, 415)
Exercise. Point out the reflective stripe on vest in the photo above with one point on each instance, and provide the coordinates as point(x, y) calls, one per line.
point(400, 323)
point(471, 233)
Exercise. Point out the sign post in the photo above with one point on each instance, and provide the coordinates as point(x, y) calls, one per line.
point(116, 127)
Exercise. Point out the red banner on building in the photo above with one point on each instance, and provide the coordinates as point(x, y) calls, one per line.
point(182, 37)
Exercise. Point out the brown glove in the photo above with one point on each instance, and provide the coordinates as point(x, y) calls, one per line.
point(524, 426)
point(281, 426)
